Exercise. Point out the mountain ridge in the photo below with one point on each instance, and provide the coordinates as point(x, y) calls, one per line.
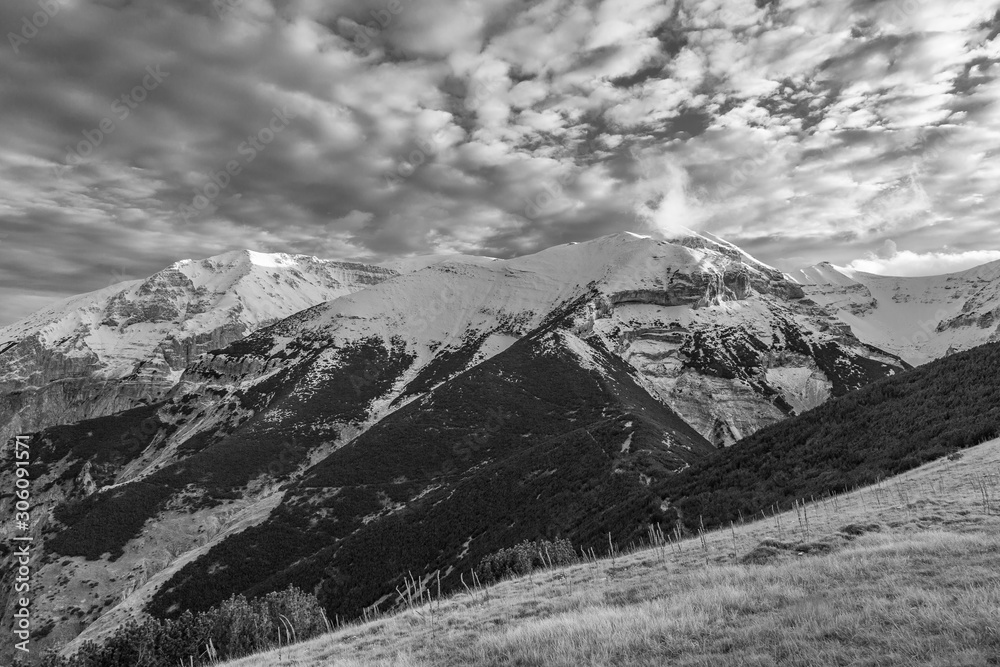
point(917, 318)
point(113, 348)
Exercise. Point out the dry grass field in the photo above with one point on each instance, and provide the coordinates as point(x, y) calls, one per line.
point(906, 572)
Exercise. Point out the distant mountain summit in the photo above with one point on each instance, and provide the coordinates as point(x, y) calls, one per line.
point(678, 311)
point(114, 348)
point(917, 318)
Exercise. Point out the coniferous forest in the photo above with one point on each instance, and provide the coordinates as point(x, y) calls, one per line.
point(881, 430)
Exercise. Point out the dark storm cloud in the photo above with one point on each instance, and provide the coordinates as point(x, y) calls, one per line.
point(137, 133)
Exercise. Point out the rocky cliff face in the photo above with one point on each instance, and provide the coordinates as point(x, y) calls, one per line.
point(732, 347)
point(126, 345)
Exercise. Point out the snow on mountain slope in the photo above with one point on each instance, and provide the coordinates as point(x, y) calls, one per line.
point(123, 323)
point(411, 264)
point(824, 274)
point(686, 344)
point(725, 340)
point(917, 318)
point(454, 296)
point(693, 239)
point(107, 350)
point(447, 308)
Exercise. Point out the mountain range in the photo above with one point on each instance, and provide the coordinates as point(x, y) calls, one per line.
point(128, 344)
point(250, 421)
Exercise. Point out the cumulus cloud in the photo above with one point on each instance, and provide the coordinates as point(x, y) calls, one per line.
point(661, 198)
point(889, 261)
point(801, 129)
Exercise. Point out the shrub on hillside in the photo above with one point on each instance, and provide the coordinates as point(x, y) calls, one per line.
point(236, 628)
point(525, 558)
point(241, 626)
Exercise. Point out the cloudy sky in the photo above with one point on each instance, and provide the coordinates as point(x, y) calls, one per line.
point(139, 132)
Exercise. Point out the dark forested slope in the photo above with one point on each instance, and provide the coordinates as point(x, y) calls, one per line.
point(880, 430)
point(524, 445)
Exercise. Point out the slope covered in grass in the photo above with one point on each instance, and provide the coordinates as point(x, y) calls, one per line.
point(911, 576)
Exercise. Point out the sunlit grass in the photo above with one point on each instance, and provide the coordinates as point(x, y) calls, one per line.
point(871, 604)
point(923, 589)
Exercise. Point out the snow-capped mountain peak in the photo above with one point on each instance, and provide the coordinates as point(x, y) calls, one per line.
point(823, 273)
point(147, 331)
point(462, 294)
point(674, 309)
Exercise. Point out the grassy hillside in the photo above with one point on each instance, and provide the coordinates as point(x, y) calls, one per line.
point(906, 572)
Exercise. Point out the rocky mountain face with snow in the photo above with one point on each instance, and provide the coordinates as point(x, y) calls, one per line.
point(127, 344)
point(421, 423)
point(918, 318)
